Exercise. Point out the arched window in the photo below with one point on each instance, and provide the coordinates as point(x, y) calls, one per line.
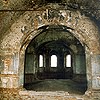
point(53, 61)
point(40, 60)
point(68, 60)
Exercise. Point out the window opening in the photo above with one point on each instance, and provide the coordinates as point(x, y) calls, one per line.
point(40, 60)
point(53, 61)
point(68, 60)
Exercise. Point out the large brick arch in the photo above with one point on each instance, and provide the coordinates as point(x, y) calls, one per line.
point(29, 25)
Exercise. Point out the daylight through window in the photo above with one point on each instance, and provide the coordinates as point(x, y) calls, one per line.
point(53, 61)
point(40, 60)
point(68, 61)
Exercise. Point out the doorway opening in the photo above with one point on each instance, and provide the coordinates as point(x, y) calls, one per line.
point(55, 61)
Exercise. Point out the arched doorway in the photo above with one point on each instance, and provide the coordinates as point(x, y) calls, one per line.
point(55, 43)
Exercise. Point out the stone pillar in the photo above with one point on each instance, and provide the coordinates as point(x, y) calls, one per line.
point(60, 62)
point(34, 63)
point(44, 62)
point(73, 64)
point(88, 70)
point(9, 69)
point(47, 58)
point(21, 68)
point(80, 64)
point(95, 64)
point(28, 63)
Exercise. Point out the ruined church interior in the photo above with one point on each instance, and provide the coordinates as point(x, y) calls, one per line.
point(49, 50)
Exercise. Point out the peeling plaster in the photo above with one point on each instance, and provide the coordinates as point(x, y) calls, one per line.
point(87, 30)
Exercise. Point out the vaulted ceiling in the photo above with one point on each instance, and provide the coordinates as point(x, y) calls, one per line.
point(55, 38)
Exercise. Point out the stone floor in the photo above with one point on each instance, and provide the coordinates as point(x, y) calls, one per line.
point(50, 90)
point(66, 85)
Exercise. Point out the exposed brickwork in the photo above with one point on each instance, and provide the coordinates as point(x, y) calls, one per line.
point(18, 94)
point(30, 21)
